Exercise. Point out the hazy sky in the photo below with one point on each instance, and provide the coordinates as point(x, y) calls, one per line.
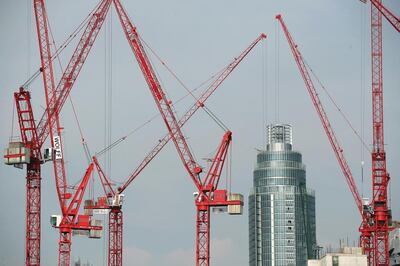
point(196, 39)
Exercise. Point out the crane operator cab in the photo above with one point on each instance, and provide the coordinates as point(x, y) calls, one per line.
point(118, 200)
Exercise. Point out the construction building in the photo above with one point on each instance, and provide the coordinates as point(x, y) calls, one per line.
point(348, 256)
point(394, 245)
point(281, 208)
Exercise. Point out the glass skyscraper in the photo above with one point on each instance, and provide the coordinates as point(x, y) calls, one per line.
point(281, 208)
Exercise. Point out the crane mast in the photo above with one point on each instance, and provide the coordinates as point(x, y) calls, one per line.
point(378, 246)
point(112, 202)
point(380, 178)
point(27, 151)
point(210, 197)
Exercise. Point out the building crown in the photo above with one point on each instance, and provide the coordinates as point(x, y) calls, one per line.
point(278, 135)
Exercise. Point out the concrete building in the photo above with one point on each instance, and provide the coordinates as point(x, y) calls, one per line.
point(394, 246)
point(281, 208)
point(349, 256)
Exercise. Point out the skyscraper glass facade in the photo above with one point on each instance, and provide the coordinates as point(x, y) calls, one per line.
point(281, 208)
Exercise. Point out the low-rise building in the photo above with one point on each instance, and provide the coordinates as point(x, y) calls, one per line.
point(348, 256)
point(394, 247)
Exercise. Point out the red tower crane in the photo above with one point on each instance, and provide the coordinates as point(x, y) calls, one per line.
point(219, 198)
point(374, 228)
point(322, 115)
point(55, 100)
point(32, 137)
point(20, 152)
point(378, 254)
point(65, 85)
point(113, 195)
point(378, 245)
point(207, 189)
point(28, 152)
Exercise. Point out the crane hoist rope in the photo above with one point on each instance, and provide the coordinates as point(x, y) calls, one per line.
point(68, 41)
point(84, 143)
point(33, 135)
point(211, 114)
point(83, 139)
point(62, 47)
point(337, 107)
point(115, 218)
point(208, 194)
point(130, 133)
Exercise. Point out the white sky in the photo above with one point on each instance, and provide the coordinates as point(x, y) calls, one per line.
point(196, 39)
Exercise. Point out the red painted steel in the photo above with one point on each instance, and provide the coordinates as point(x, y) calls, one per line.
point(68, 222)
point(48, 80)
point(26, 121)
point(33, 178)
point(203, 235)
point(380, 177)
point(73, 68)
point(115, 230)
point(199, 104)
point(374, 227)
point(209, 197)
point(389, 15)
point(33, 211)
point(323, 116)
point(378, 244)
point(64, 246)
point(106, 184)
point(55, 98)
point(163, 104)
point(166, 110)
point(49, 88)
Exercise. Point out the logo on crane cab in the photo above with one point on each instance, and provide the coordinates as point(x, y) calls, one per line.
point(57, 148)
